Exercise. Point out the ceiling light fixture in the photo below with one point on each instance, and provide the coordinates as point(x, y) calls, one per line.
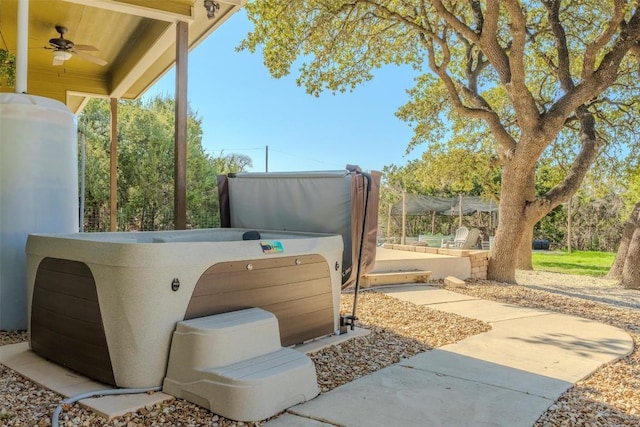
point(61, 55)
point(211, 7)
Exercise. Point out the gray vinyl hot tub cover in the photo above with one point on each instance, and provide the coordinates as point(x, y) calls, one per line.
point(323, 202)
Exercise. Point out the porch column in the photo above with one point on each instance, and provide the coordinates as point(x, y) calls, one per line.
point(180, 168)
point(113, 168)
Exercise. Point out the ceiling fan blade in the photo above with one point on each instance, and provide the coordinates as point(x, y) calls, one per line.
point(86, 47)
point(90, 58)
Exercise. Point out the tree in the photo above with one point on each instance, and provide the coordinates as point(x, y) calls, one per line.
point(232, 163)
point(534, 76)
point(145, 166)
point(145, 162)
point(94, 124)
point(397, 181)
point(627, 236)
point(626, 265)
point(7, 68)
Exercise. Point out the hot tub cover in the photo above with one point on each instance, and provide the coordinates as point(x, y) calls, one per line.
point(343, 202)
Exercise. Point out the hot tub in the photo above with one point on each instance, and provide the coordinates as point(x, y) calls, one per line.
point(106, 304)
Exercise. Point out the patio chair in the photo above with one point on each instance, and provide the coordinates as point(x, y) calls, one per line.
point(472, 239)
point(464, 239)
point(458, 239)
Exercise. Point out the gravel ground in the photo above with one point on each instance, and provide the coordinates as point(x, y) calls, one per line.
point(397, 332)
point(610, 397)
point(606, 291)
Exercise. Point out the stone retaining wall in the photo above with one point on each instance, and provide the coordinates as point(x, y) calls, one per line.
point(479, 259)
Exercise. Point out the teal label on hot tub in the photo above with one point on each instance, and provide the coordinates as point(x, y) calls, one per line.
point(271, 247)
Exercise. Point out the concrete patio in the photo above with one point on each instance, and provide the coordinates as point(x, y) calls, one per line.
point(508, 376)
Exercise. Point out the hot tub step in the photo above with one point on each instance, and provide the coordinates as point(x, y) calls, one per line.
point(395, 278)
point(223, 339)
point(253, 389)
point(233, 364)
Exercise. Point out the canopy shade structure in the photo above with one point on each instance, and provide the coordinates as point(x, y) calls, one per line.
point(416, 204)
point(136, 39)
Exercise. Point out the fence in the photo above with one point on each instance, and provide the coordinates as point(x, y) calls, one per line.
point(98, 219)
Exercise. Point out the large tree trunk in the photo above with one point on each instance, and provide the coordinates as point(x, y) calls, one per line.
point(523, 261)
point(631, 269)
point(627, 234)
point(514, 227)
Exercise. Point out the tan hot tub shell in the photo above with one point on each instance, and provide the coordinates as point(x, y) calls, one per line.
point(106, 304)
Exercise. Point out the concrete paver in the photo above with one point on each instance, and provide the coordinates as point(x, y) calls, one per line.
point(464, 305)
point(424, 294)
point(400, 396)
point(450, 363)
point(488, 311)
point(507, 376)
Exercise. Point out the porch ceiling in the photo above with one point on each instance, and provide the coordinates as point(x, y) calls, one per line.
point(135, 37)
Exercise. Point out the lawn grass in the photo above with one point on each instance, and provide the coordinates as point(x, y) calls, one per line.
point(587, 263)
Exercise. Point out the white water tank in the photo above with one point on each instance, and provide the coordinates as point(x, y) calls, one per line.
point(38, 188)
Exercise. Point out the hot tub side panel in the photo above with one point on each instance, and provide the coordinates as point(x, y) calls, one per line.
point(296, 289)
point(66, 323)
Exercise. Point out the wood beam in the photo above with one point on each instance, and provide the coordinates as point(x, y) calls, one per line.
point(53, 84)
point(76, 101)
point(113, 175)
point(233, 2)
point(180, 171)
point(142, 57)
point(161, 10)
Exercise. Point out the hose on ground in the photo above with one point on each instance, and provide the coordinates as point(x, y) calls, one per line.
point(108, 392)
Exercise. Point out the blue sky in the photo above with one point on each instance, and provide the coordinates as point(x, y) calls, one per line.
point(244, 109)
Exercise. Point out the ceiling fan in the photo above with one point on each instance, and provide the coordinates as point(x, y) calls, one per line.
point(63, 49)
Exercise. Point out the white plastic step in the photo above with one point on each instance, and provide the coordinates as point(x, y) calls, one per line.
point(222, 339)
point(258, 378)
point(254, 389)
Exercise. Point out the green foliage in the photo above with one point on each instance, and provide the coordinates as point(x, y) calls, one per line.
point(595, 211)
point(94, 126)
point(7, 68)
point(503, 88)
point(553, 227)
point(578, 262)
point(145, 176)
point(403, 178)
point(336, 45)
point(231, 163)
point(341, 44)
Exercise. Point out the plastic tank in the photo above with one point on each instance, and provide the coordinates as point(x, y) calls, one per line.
point(38, 188)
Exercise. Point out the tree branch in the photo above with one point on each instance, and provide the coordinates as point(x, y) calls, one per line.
point(561, 192)
point(474, 66)
point(591, 52)
point(563, 68)
point(484, 111)
point(454, 22)
point(409, 21)
point(488, 42)
point(635, 49)
point(594, 84)
point(478, 18)
point(523, 102)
